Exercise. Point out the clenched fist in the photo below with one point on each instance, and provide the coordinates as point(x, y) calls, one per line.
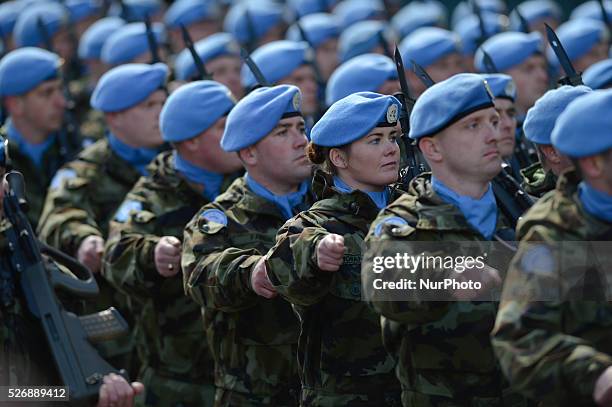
point(117, 392)
point(90, 252)
point(260, 282)
point(168, 256)
point(330, 251)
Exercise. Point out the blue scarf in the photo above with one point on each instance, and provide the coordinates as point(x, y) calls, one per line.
point(285, 203)
point(35, 152)
point(211, 181)
point(138, 158)
point(381, 199)
point(480, 213)
point(596, 203)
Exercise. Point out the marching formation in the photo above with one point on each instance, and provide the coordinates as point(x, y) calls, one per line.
point(213, 192)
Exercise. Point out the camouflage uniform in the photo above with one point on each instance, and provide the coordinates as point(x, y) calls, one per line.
point(253, 339)
point(554, 351)
point(536, 181)
point(177, 365)
point(442, 348)
point(93, 126)
point(341, 354)
point(37, 179)
point(82, 205)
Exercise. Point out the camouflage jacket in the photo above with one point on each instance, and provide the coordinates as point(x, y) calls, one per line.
point(169, 322)
point(36, 179)
point(443, 349)
point(536, 181)
point(253, 339)
point(341, 354)
point(555, 350)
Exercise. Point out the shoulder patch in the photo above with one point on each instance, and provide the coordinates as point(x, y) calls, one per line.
point(538, 259)
point(215, 215)
point(392, 220)
point(61, 175)
point(126, 209)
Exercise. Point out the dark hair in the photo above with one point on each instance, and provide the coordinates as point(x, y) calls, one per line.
point(319, 156)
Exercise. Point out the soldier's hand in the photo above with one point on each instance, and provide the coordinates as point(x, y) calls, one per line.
point(260, 282)
point(117, 392)
point(488, 277)
point(90, 252)
point(168, 256)
point(603, 388)
point(330, 251)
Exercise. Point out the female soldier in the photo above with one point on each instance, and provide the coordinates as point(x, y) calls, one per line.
point(316, 263)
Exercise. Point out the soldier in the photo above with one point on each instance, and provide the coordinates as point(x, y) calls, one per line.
point(442, 348)
point(253, 339)
point(220, 55)
point(599, 75)
point(254, 24)
point(364, 73)
point(504, 91)
point(322, 31)
point(142, 256)
point(84, 194)
point(557, 349)
point(31, 92)
point(200, 18)
point(541, 177)
point(130, 44)
point(364, 37)
point(316, 261)
point(435, 49)
point(536, 13)
point(290, 63)
point(25, 361)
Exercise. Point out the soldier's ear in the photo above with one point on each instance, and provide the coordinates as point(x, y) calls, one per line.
point(338, 158)
point(248, 155)
point(430, 149)
point(15, 105)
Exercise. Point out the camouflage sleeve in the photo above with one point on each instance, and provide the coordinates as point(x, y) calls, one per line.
point(68, 217)
point(292, 263)
point(215, 274)
point(539, 358)
point(128, 262)
point(386, 233)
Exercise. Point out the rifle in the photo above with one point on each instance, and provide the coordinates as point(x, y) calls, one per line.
point(252, 42)
point(422, 74)
point(522, 20)
point(481, 23)
point(571, 77)
point(152, 41)
point(202, 73)
point(69, 336)
point(606, 20)
point(415, 165)
point(69, 135)
point(488, 62)
point(512, 200)
point(259, 76)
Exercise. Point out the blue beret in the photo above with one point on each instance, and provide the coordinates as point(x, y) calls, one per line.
point(360, 38)
point(534, 11)
point(264, 15)
point(468, 29)
point(578, 38)
point(353, 117)
point(541, 118)
point(138, 10)
point(258, 113)
point(9, 11)
point(429, 44)
point(141, 79)
point(599, 75)
point(416, 15)
point(448, 101)
point(303, 8)
point(508, 49)
point(26, 32)
point(129, 42)
point(350, 12)
point(318, 27)
point(501, 85)
point(193, 108)
point(209, 48)
point(277, 60)
point(191, 11)
point(590, 9)
point(367, 72)
point(81, 9)
point(464, 9)
point(583, 129)
point(93, 39)
point(23, 69)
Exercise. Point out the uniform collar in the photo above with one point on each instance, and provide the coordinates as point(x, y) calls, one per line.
point(138, 158)
point(35, 152)
point(211, 182)
point(286, 203)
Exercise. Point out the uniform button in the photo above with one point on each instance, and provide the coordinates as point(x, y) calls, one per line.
point(356, 289)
